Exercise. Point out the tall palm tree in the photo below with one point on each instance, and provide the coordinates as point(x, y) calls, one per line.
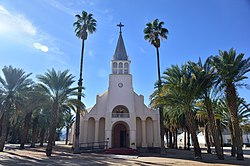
point(57, 86)
point(231, 69)
point(153, 33)
point(85, 24)
point(13, 85)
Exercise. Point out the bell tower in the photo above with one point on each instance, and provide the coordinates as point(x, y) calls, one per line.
point(120, 61)
point(120, 80)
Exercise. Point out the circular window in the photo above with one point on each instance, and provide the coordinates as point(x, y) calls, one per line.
point(120, 84)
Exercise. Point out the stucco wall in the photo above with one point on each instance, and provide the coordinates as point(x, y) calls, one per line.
point(97, 124)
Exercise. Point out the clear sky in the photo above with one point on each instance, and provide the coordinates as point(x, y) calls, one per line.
point(38, 35)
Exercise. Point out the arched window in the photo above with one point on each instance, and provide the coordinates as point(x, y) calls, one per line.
point(114, 68)
point(120, 111)
point(126, 68)
point(120, 68)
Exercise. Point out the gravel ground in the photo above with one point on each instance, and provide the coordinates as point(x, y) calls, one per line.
point(62, 155)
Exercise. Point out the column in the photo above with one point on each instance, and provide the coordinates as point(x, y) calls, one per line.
point(108, 138)
point(96, 131)
point(143, 127)
point(155, 138)
point(85, 132)
point(132, 139)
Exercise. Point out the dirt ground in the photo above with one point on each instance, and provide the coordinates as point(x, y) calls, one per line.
point(62, 155)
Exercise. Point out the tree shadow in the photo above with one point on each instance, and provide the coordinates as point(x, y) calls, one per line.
point(63, 155)
point(206, 158)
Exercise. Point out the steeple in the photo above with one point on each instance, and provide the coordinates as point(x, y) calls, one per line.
point(120, 61)
point(120, 51)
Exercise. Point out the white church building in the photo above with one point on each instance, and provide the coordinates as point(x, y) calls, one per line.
point(120, 115)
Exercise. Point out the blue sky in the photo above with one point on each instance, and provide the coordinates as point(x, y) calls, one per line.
point(38, 35)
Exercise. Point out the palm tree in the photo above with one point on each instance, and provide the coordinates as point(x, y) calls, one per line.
point(153, 33)
point(13, 85)
point(85, 24)
point(69, 120)
point(207, 95)
point(43, 124)
point(243, 115)
point(35, 99)
point(184, 85)
point(35, 118)
point(231, 71)
point(202, 118)
point(156, 100)
point(205, 113)
point(57, 86)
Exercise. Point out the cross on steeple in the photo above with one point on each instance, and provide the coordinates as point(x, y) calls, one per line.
point(120, 25)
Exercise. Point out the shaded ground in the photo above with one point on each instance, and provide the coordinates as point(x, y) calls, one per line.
point(62, 155)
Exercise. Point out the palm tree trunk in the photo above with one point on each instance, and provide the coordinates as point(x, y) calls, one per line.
point(207, 139)
point(218, 123)
point(163, 151)
point(54, 139)
point(174, 139)
point(213, 129)
point(158, 67)
point(176, 135)
point(167, 131)
point(185, 138)
point(77, 130)
point(53, 124)
point(192, 129)
point(67, 135)
point(14, 134)
point(42, 134)
point(27, 120)
point(188, 136)
point(170, 139)
point(34, 132)
point(233, 150)
point(3, 134)
point(231, 97)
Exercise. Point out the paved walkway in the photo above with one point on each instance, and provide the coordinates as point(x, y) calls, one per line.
point(62, 155)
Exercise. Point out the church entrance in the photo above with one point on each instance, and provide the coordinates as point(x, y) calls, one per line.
point(120, 135)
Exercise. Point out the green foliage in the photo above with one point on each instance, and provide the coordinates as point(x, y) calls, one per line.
point(154, 32)
point(12, 87)
point(19, 95)
point(230, 68)
point(85, 23)
point(68, 119)
point(224, 115)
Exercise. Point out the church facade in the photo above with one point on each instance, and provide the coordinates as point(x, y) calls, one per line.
point(120, 115)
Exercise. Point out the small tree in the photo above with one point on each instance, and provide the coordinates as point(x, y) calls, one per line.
point(57, 86)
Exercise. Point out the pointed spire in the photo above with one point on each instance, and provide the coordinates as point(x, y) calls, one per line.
point(120, 51)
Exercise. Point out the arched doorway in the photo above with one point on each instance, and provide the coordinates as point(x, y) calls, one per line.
point(120, 135)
